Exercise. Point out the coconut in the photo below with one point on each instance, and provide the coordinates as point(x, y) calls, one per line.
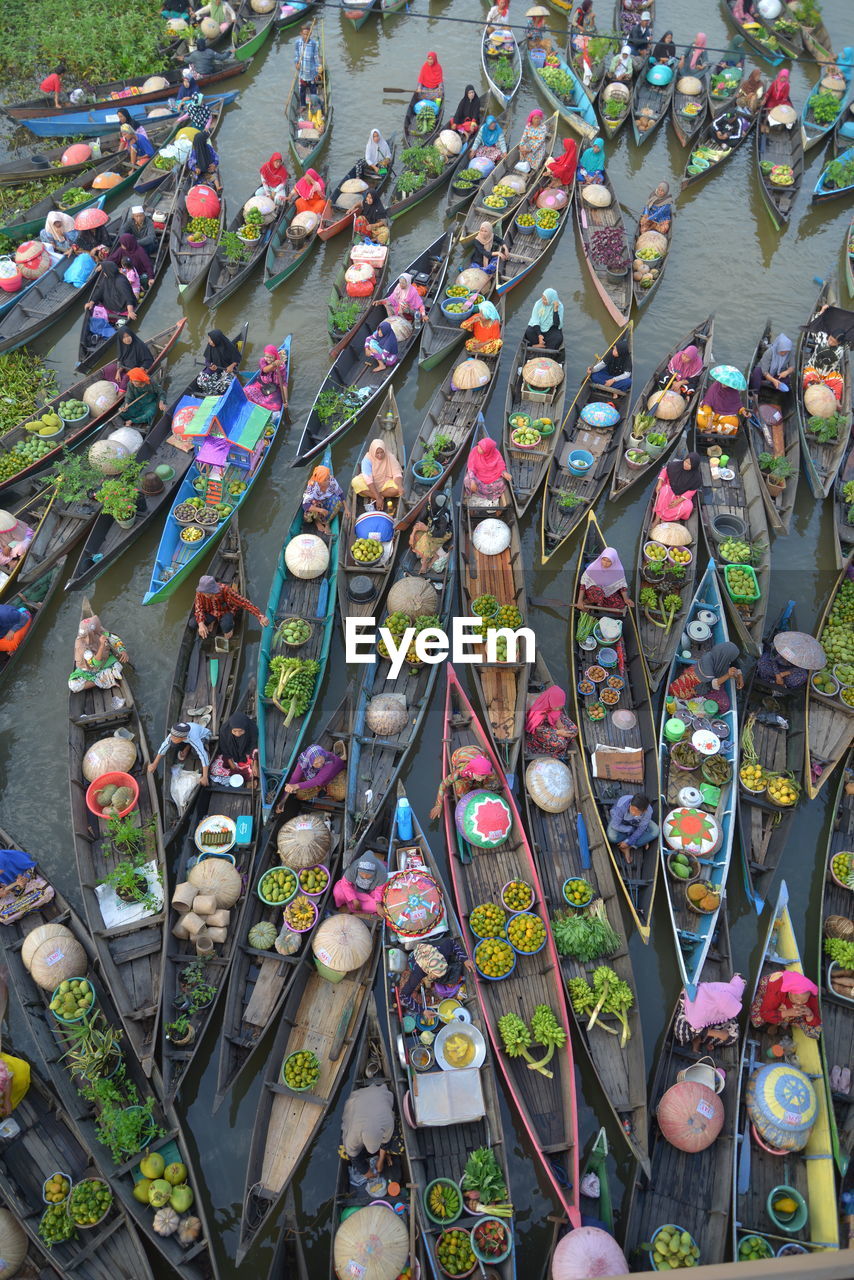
point(262, 6)
point(217, 878)
point(414, 596)
point(154, 83)
point(491, 537)
point(819, 401)
point(210, 29)
point(450, 142)
point(387, 714)
point(308, 219)
point(689, 85)
point(303, 841)
point(652, 240)
point(108, 457)
point(401, 327)
point(100, 396)
point(109, 755)
point(354, 186)
point(473, 278)
point(668, 405)
point(306, 556)
point(597, 196)
point(265, 206)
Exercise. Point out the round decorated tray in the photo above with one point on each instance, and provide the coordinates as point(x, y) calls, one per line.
point(219, 826)
point(691, 831)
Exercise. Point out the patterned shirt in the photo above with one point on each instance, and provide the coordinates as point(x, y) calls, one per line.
point(225, 601)
point(307, 59)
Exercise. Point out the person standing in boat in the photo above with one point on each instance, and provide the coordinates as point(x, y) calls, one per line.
point(471, 770)
point(217, 607)
point(52, 84)
point(307, 63)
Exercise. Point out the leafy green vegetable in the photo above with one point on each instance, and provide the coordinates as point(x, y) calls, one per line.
point(585, 935)
point(483, 1175)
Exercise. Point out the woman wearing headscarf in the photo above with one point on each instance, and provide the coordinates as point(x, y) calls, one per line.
point(429, 537)
point(664, 50)
point(677, 486)
point(710, 1020)
point(733, 54)
point(128, 247)
point(780, 91)
point(614, 370)
point(198, 112)
point(708, 676)
point(583, 20)
point(683, 371)
point(750, 92)
point(603, 583)
point(315, 769)
point(487, 249)
point(591, 166)
point(377, 153)
point(131, 353)
point(15, 622)
point(431, 78)
point(270, 388)
point(471, 770)
point(694, 59)
point(222, 359)
point(219, 10)
point(545, 327)
point(721, 411)
point(274, 178)
point(622, 67)
point(532, 144)
point(485, 329)
point(438, 966)
point(405, 300)
point(785, 1000)
point(658, 214)
point(372, 220)
point(489, 141)
point(322, 499)
point(112, 299)
point(98, 657)
point(15, 538)
point(143, 399)
point(204, 161)
point(238, 750)
point(382, 347)
point(548, 729)
point(58, 235)
point(486, 471)
point(561, 169)
point(776, 365)
point(309, 193)
point(380, 475)
point(466, 118)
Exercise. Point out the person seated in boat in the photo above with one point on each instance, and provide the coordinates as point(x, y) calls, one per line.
point(708, 676)
point(683, 371)
point(487, 249)
point(545, 326)
point(15, 1073)
point(184, 737)
point(15, 622)
point(603, 583)
point(137, 144)
point(489, 141)
point(773, 668)
point(640, 38)
point(471, 770)
point(380, 475)
point(219, 10)
point(775, 366)
point(485, 329)
point(270, 388)
point(131, 353)
point(548, 729)
point(314, 770)
point(534, 141)
point(560, 170)
point(405, 300)
point(16, 872)
point(751, 92)
point(614, 369)
point(783, 1001)
point(381, 346)
point(139, 225)
point(678, 483)
point(205, 61)
point(658, 214)
point(372, 220)
point(144, 400)
point(440, 962)
point(237, 750)
point(621, 66)
point(664, 51)
point(536, 32)
point(431, 78)
point(732, 56)
point(367, 1126)
point(591, 166)
point(132, 276)
point(693, 60)
point(203, 163)
point(710, 1020)
point(377, 155)
point(129, 247)
point(309, 193)
point(274, 178)
point(360, 888)
point(58, 235)
point(583, 20)
point(429, 537)
point(730, 126)
point(99, 656)
point(111, 302)
point(15, 538)
point(721, 411)
point(630, 824)
point(466, 119)
point(498, 24)
point(779, 93)
point(322, 500)
point(52, 83)
point(828, 348)
point(188, 88)
point(217, 607)
point(221, 360)
point(486, 471)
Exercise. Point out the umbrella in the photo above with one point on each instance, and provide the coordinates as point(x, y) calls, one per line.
point(342, 942)
point(538, 11)
point(801, 649)
point(90, 218)
point(542, 372)
point(470, 374)
point(729, 376)
point(372, 1243)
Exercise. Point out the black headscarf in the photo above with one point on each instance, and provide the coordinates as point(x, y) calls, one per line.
point(718, 660)
point(133, 354)
point(665, 48)
point(618, 364)
point(223, 352)
point(203, 152)
point(125, 117)
point(234, 748)
point(373, 208)
point(682, 481)
point(439, 519)
point(468, 110)
point(112, 289)
point(90, 238)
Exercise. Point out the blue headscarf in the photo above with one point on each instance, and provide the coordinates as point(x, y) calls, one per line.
point(593, 157)
point(488, 311)
point(11, 618)
point(544, 314)
point(385, 336)
point(490, 132)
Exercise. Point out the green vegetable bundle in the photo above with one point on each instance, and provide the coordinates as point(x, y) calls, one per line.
point(291, 679)
point(841, 951)
point(585, 935)
point(483, 1175)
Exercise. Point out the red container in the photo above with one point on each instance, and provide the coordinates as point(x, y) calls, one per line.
point(117, 780)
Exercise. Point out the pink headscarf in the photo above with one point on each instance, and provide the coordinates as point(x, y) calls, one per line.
point(486, 462)
point(687, 363)
point(549, 706)
point(610, 578)
point(304, 187)
point(715, 1003)
point(699, 47)
point(477, 767)
point(797, 983)
point(535, 112)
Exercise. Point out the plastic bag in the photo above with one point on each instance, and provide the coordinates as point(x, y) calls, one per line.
point(182, 786)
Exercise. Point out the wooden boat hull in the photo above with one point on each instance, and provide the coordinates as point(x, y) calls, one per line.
point(479, 212)
point(837, 1013)
point(578, 113)
point(821, 462)
point(306, 150)
point(92, 124)
point(843, 530)
point(651, 102)
point(190, 265)
point(687, 127)
point(453, 164)
point(35, 598)
point(282, 258)
point(526, 251)
point(849, 259)
point(225, 278)
point(813, 133)
point(754, 39)
point(659, 640)
point(823, 191)
point(708, 140)
point(22, 169)
point(338, 338)
point(778, 146)
point(616, 294)
point(60, 529)
point(830, 724)
point(502, 96)
point(264, 24)
point(335, 217)
point(529, 467)
point(105, 97)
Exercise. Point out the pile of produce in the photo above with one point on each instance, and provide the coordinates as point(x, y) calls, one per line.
point(680, 865)
point(164, 1188)
point(164, 163)
point(300, 914)
point(547, 219)
point(526, 932)
point(491, 1238)
point(313, 880)
point(290, 685)
point(517, 896)
point(578, 892)
point(366, 550)
point(468, 178)
point(585, 935)
point(545, 1030)
point(89, 1202)
point(717, 770)
point(420, 164)
point(293, 631)
point(825, 107)
point(704, 897)
point(753, 1248)
point(70, 410)
point(503, 73)
point(72, 998)
point(494, 957)
point(56, 1226)
point(842, 865)
point(74, 196)
point(113, 800)
point(203, 227)
point(488, 920)
point(483, 1183)
point(486, 605)
point(56, 1189)
point(837, 634)
point(192, 534)
point(398, 622)
point(674, 1249)
point(525, 219)
point(278, 884)
point(736, 551)
point(444, 1201)
point(655, 552)
point(782, 175)
point(608, 994)
point(739, 583)
point(301, 1070)
point(24, 454)
point(560, 82)
point(525, 437)
point(253, 225)
point(784, 789)
point(454, 1251)
point(841, 952)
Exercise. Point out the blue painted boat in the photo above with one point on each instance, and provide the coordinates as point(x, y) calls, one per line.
point(812, 132)
point(575, 108)
point(826, 188)
point(693, 931)
point(251, 433)
point(102, 120)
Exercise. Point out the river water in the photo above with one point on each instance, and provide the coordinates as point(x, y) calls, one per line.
point(726, 258)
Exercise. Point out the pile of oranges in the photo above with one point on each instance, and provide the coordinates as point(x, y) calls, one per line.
point(494, 958)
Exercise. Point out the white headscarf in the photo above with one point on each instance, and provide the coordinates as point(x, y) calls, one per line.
point(376, 151)
point(66, 222)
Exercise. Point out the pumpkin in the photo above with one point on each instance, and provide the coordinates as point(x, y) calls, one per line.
point(839, 927)
point(668, 405)
point(201, 201)
point(189, 1230)
point(165, 1221)
point(549, 784)
point(13, 1244)
point(354, 186)
point(597, 196)
point(288, 943)
point(689, 85)
point(308, 219)
point(473, 278)
point(303, 841)
point(154, 83)
point(819, 401)
point(210, 28)
point(100, 396)
point(108, 456)
point(449, 142)
point(109, 755)
point(652, 240)
point(128, 437)
point(219, 878)
point(76, 153)
point(262, 936)
point(413, 596)
point(491, 537)
point(387, 714)
point(306, 556)
point(265, 206)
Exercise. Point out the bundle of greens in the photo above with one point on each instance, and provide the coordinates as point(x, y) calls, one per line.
point(293, 680)
point(483, 1175)
point(585, 935)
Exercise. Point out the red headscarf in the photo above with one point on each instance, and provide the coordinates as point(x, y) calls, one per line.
point(486, 462)
point(431, 74)
point(549, 706)
point(304, 187)
point(274, 172)
point(139, 376)
point(564, 167)
point(779, 94)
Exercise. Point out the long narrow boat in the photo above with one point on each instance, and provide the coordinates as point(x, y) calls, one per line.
point(352, 371)
point(688, 1189)
point(625, 15)
point(638, 772)
point(828, 185)
point(843, 528)
point(480, 212)
point(774, 736)
point(358, 11)
point(816, 41)
point(574, 107)
point(546, 1105)
point(250, 31)
point(280, 733)
point(772, 428)
point(34, 597)
point(527, 249)
point(528, 467)
point(376, 761)
point(60, 526)
point(708, 154)
point(94, 122)
point(848, 253)
point(416, 134)
point(570, 844)
point(191, 262)
point(643, 292)
point(41, 163)
point(490, 61)
point(341, 207)
point(598, 228)
point(284, 256)
point(843, 133)
point(307, 144)
point(626, 477)
point(821, 461)
point(32, 514)
point(778, 145)
point(758, 1170)
point(129, 936)
point(104, 96)
point(440, 337)
point(401, 199)
point(651, 104)
point(346, 313)
point(260, 977)
point(569, 493)
point(439, 1150)
point(598, 60)
point(688, 111)
point(660, 626)
point(757, 35)
point(614, 100)
point(174, 561)
point(837, 1010)
point(830, 723)
point(814, 131)
point(228, 271)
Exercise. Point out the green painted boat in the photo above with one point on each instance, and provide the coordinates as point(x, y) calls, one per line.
point(285, 256)
point(304, 148)
point(264, 25)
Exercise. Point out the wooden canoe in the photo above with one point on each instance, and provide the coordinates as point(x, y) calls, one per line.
point(626, 477)
point(638, 878)
point(29, 168)
point(641, 295)
point(778, 145)
point(709, 153)
point(830, 723)
point(843, 529)
point(837, 1012)
point(259, 980)
point(337, 214)
point(609, 45)
point(439, 1151)
point(827, 186)
point(650, 105)
point(502, 95)
point(575, 108)
point(658, 637)
point(129, 938)
point(690, 1189)
point(359, 11)
point(813, 132)
point(338, 297)
point(60, 527)
point(561, 512)
point(250, 31)
point(307, 144)
point(284, 256)
point(625, 16)
point(615, 293)
point(92, 122)
point(547, 1106)
point(529, 467)
point(191, 263)
point(817, 42)
point(810, 1171)
point(821, 462)
point(559, 849)
point(765, 435)
point(611, 124)
point(413, 136)
point(479, 212)
point(757, 35)
point(35, 597)
point(399, 202)
point(439, 336)
point(104, 95)
point(685, 125)
point(226, 276)
point(527, 250)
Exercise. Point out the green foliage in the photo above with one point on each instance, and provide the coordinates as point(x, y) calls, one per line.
point(503, 73)
point(345, 313)
point(781, 467)
point(483, 1174)
point(840, 173)
point(95, 48)
point(15, 201)
point(233, 249)
point(246, 33)
point(568, 501)
point(585, 935)
point(841, 951)
point(130, 883)
point(75, 478)
point(825, 107)
point(826, 430)
point(333, 406)
point(26, 383)
point(118, 494)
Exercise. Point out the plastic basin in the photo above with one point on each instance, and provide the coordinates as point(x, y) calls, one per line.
point(111, 779)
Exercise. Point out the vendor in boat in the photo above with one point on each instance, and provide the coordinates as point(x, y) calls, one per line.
point(639, 38)
point(485, 329)
point(487, 249)
point(381, 346)
point(270, 388)
point(721, 411)
point(322, 500)
point(58, 235)
point(367, 1126)
point(828, 348)
point(315, 768)
point(730, 126)
point(309, 193)
point(144, 400)
point(658, 214)
point(498, 23)
point(489, 141)
point(307, 63)
point(707, 677)
point(536, 32)
point(380, 475)
point(52, 83)
point(377, 154)
point(603, 583)
point(710, 1020)
point(111, 302)
point(219, 10)
point(203, 163)
point(664, 51)
point(237, 750)
point(198, 111)
point(775, 366)
point(372, 220)
point(774, 668)
point(466, 119)
point(274, 178)
point(694, 60)
point(222, 358)
point(621, 67)
point(486, 471)
point(783, 1001)
point(683, 371)
point(429, 537)
point(139, 225)
point(534, 141)
point(186, 736)
point(216, 608)
point(189, 86)
point(677, 486)
point(99, 656)
point(733, 55)
point(137, 144)
point(205, 61)
point(545, 327)
point(131, 353)
point(561, 170)
point(548, 728)
point(360, 889)
point(15, 538)
point(583, 20)
point(614, 369)
point(405, 300)
point(630, 824)
point(431, 78)
point(15, 622)
point(780, 91)
point(471, 770)
point(128, 247)
point(442, 960)
point(591, 166)
point(751, 92)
